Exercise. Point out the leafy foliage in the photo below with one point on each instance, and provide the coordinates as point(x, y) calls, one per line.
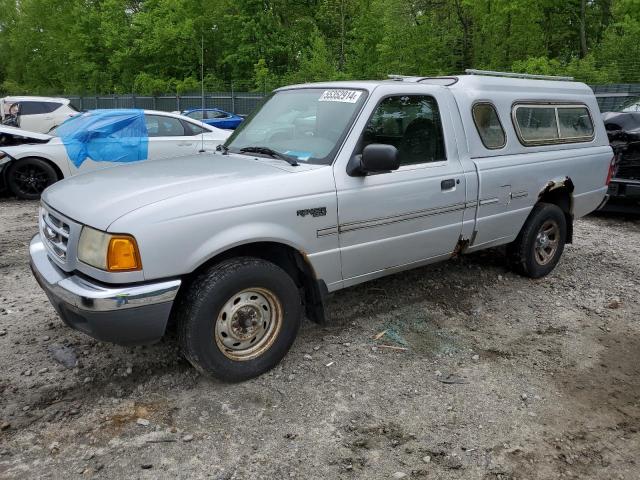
point(155, 46)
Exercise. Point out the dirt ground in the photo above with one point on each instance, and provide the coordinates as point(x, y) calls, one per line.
point(493, 377)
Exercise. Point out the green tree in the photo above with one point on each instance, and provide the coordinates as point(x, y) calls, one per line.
point(620, 50)
point(581, 69)
point(151, 46)
point(261, 75)
point(315, 63)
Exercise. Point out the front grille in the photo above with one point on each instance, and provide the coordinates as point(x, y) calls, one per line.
point(55, 233)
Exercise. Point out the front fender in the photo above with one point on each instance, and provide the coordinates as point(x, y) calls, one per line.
point(244, 235)
point(5, 159)
point(179, 247)
point(179, 234)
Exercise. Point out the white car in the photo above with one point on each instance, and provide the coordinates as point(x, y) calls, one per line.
point(36, 114)
point(101, 140)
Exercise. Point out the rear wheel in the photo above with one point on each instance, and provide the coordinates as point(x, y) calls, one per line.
point(28, 177)
point(537, 249)
point(239, 318)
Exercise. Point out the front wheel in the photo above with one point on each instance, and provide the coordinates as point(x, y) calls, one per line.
point(28, 177)
point(537, 249)
point(239, 318)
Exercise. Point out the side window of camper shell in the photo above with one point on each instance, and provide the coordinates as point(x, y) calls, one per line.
point(488, 125)
point(547, 124)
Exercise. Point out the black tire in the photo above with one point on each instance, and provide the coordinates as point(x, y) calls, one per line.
point(527, 254)
point(28, 177)
point(203, 324)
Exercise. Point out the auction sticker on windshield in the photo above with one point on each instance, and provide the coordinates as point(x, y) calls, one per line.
point(339, 95)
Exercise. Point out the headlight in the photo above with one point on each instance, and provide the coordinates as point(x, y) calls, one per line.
point(113, 253)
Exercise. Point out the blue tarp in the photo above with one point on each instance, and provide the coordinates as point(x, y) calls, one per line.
point(105, 136)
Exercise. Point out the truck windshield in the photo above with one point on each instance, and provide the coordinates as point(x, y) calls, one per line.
point(307, 124)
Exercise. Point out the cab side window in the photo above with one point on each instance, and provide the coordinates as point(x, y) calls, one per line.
point(488, 125)
point(412, 124)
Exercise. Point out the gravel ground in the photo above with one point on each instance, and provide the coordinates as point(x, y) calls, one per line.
point(493, 377)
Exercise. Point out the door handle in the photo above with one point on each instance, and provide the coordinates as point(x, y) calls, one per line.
point(185, 144)
point(447, 184)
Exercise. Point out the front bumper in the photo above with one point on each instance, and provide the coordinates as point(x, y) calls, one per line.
point(126, 315)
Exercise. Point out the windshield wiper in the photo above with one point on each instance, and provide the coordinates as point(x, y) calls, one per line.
point(222, 148)
point(272, 153)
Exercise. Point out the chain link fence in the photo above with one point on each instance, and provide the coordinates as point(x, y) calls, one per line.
point(610, 98)
point(242, 103)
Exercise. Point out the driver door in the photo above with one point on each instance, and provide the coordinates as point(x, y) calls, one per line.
point(395, 219)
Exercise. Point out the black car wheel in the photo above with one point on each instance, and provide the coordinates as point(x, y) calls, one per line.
point(28, 177)
point(239, 318)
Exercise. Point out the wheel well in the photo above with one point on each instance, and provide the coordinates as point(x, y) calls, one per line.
point(561, 194)
point(292, 261)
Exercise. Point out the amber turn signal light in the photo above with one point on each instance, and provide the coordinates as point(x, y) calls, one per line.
point(122, 254)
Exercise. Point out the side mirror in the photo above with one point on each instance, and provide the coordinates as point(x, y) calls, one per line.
point(375, 158)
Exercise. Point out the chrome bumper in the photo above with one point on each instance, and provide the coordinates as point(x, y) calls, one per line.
point(126, 315)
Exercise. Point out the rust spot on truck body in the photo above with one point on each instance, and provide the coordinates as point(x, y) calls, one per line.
point(461, 246)
point(554, 185)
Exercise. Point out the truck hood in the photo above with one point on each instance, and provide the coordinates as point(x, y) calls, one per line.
point(101, 197)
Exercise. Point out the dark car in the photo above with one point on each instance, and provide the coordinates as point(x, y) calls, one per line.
point(215, 117)
point(623, 129)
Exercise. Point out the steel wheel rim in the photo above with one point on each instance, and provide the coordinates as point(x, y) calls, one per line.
point(547, 242)
point(248, 324)
point(31, 179)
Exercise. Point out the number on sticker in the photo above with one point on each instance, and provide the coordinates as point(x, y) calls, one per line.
point(336, 95)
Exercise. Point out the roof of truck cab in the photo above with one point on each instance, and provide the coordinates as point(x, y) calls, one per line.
point(358, 84)
point(479, 83)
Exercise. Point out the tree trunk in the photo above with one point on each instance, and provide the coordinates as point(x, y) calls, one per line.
point(465, 23)
point(341, 62)
point(583, 28)
point(507, 50)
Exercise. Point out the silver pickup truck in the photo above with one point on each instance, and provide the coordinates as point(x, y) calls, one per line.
point(325, 186)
